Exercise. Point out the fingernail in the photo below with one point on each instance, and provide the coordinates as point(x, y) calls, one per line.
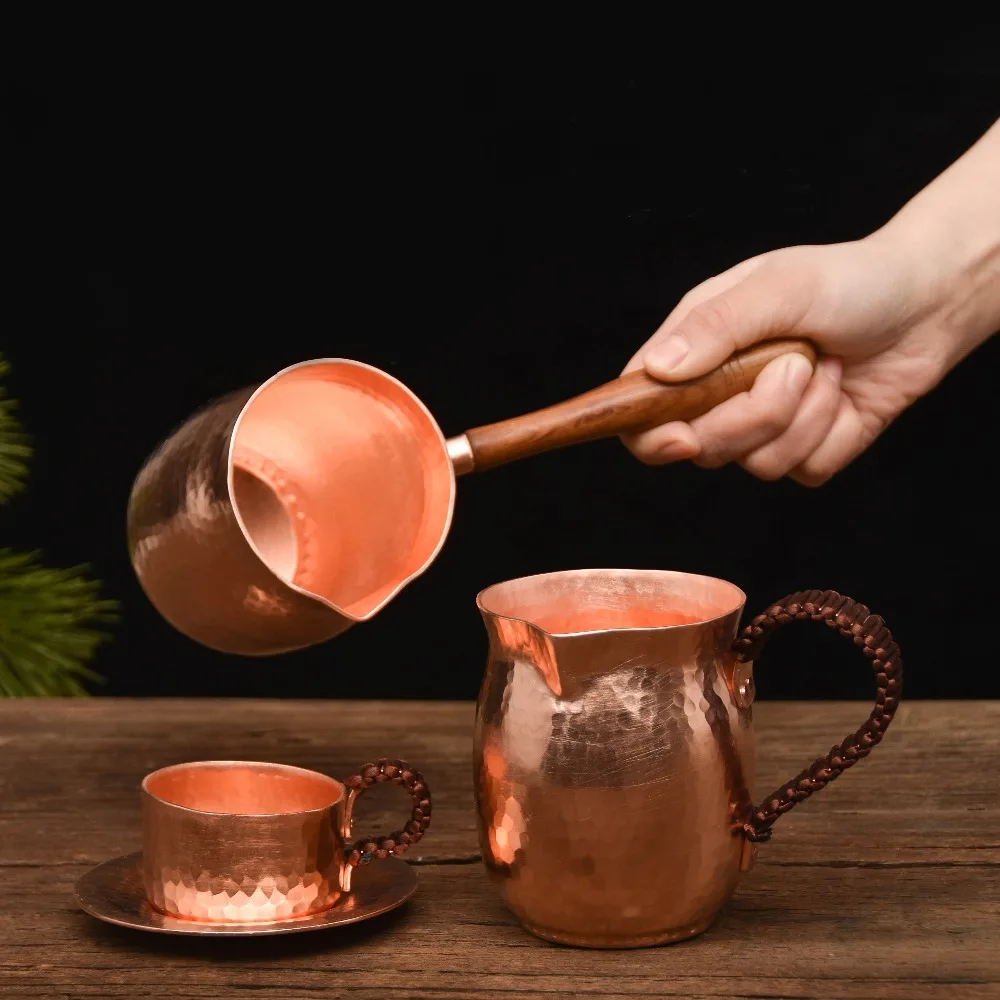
point(675, 451)
point(666, 356)
point(798, 371)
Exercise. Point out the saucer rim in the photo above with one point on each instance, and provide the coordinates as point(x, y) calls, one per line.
point(296, 925)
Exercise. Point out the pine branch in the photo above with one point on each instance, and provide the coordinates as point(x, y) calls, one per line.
point(46, 615)
point(45, 634)
point(14, 447)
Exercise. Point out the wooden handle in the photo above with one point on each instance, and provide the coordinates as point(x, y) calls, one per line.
point(634, 402)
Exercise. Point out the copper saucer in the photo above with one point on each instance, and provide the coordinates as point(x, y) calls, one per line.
point(113, 892)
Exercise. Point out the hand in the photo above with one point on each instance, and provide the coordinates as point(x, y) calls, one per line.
point(891, 315)
point(880, 350)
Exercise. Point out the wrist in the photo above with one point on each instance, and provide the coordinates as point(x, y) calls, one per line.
point(947, 240)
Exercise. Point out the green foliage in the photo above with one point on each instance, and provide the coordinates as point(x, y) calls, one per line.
point(45, 638)
point(14, 448)
point(46, 615)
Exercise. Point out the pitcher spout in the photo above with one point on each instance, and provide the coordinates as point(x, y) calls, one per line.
point(521, 642)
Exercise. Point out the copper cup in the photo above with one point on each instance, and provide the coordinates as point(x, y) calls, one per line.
point(238, 842)
point(614, 747)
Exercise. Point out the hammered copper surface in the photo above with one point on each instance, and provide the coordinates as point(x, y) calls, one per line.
point(241, 842)
point(114, 892)
point(276, 518)
point(613, 758)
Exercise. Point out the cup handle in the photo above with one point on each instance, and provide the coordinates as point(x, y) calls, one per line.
point(855, 622)
point(400, 773)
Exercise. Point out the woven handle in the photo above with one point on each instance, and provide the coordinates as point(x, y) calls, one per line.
point(854, 621)
point(399, 773)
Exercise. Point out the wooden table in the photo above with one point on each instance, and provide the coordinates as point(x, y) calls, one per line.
point(887, 884)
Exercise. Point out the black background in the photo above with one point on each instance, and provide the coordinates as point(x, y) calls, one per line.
point(499, 235)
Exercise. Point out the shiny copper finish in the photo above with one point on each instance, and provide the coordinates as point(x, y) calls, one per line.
point(460, 453)
point(241, 842)
point(613, 756)
point(276, 518)
point(113, 892)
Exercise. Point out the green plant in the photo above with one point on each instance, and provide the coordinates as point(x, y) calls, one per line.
point(47, 616)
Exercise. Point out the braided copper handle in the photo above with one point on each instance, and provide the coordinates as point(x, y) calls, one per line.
point(854, 621)
point(399, 773)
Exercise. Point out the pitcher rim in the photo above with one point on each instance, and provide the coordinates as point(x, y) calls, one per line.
point(739, 599)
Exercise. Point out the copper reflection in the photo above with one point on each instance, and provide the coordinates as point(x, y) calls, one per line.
point(613, 760)
point(241, 842)
point(114, 892)
point(277, 518)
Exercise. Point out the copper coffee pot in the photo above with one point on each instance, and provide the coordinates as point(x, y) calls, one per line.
point(278, 517)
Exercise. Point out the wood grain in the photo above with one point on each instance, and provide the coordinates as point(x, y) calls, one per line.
point(887, 884)
point(634, 402)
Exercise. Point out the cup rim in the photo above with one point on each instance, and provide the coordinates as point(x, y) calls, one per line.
point(739, 599)
point(338, 786)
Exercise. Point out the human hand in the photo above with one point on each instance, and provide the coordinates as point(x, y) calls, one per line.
point(878, 354)
point(890, 315)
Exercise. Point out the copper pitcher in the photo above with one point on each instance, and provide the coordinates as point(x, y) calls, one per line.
point(614, 747)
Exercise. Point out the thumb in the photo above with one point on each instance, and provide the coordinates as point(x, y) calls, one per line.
point(770, 302)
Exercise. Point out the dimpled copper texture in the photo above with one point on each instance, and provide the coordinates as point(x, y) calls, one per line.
point(276, 518)
point(613, 759)
point(240, 842)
